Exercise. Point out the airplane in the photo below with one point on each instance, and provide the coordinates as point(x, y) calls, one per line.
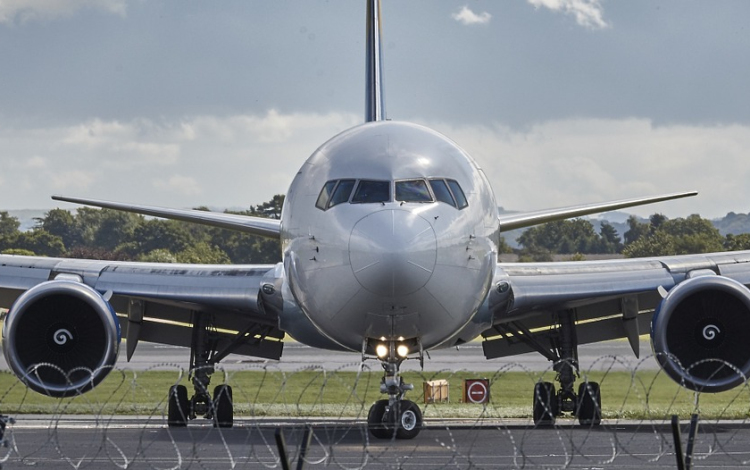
point(389, 237)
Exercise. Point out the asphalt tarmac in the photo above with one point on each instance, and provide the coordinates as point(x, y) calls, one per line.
point(63, 441)
point(139, 443)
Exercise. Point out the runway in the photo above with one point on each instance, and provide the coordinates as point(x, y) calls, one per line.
point(64, 441)
point(146, 443)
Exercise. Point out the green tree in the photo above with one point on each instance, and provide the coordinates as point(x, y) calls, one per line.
point(115, 228)
point(161, 234)
point(63, 224)
point(656, 244)
point(610, 239)
point(737, 242)
point(8, 225)
point(39, 242)
point(693, 234)
point(158, 255)
point(203, 253)
point(636, 230)
point(562, 236)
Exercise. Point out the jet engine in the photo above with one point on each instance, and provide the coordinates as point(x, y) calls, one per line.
point(700, 333)
point(61, 338)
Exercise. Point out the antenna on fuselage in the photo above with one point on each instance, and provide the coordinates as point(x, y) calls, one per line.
point(374, 99)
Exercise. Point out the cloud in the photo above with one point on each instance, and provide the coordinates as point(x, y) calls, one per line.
point(180, 184)
point(588, 13)
point(44, 10)
point(576, 161)
point(467, 17)
point(240, 160)
point(227, 161)
point(70, 180)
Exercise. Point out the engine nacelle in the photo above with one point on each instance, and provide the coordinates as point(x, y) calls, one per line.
point(700, 333)
point(61, 338)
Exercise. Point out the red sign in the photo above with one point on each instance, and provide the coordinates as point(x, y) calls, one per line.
point(476, 391)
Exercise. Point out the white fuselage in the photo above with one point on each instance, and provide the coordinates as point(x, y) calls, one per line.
point(390, 269)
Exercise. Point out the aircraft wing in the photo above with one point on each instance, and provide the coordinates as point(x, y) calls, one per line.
point(243, 223)
point(155, 302)
point(529, 219)
point(610, 298)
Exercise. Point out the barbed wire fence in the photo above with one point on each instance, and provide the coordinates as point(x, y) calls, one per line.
point(123, 423)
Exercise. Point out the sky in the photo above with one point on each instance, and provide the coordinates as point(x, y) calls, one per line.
point(190, 103)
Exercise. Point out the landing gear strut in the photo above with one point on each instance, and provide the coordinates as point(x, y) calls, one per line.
point(586, 405)
point(394, 417)
point(202, 361)
point(562, 351)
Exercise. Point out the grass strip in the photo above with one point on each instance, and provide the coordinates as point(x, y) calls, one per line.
point(316, 392)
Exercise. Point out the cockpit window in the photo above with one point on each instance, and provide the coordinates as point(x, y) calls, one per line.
point(372, 191)
point(325, 195)
point(342, 192)
point(413, 191)
point(336, 192)
point(442, 193)
point(458, 193)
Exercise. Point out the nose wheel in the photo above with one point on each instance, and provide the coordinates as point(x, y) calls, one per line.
point(394, 417)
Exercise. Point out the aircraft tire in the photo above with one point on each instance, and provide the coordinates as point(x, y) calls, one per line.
point(409, 420)
point(223, 407)
point(178, 408)
point(376, 423)
point(545, 404)
point(589, 404)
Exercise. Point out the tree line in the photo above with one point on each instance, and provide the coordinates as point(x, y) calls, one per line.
point(659, 236)
point(114, 235)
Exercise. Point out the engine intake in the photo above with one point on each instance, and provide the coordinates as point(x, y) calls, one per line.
point(700, 333)
point(61, 338)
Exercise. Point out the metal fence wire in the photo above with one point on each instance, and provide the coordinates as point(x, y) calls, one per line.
point(317, 418)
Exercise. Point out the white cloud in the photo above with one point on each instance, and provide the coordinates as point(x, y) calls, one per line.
point(30, 10)
point(467, 17)
point(72, 180)
point(179, 184)
point(232, 161)
point(588, 13)
point(577, 161)
point(239, 160)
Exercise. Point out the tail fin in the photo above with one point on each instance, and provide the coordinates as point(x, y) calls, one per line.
point(374, 100)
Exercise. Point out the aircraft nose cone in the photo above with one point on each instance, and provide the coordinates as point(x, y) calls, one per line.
point(393, 252)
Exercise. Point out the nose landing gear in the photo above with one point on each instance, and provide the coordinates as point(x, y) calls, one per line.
point(394, 417)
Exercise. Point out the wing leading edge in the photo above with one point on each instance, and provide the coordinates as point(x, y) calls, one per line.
point(529, 219)
point(270, 228)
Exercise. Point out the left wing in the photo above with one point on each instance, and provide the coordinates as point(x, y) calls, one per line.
point(678, 299)
point(61, 301)
point(253, 225)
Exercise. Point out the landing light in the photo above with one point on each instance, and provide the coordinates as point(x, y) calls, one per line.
point(402, 350)
point(381, 350)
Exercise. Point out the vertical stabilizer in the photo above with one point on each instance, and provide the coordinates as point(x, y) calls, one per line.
point(374, 100)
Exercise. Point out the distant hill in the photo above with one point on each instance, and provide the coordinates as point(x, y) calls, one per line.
point(733, 223)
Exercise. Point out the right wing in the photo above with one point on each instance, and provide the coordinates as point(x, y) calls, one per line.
point(244, 223)
point(529, 219)
point(675, 298)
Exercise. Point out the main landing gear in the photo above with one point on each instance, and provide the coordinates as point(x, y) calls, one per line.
point(217, 407)
point(204, 355)
point(394, 417)
point(549, 403)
